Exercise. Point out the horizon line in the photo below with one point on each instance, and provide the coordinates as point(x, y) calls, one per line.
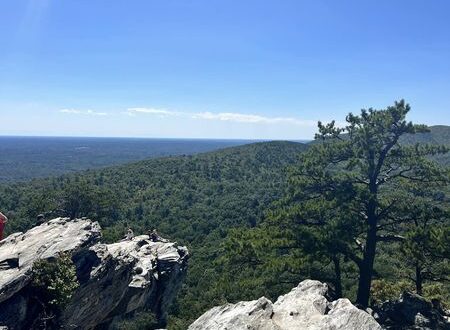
point(148, 138)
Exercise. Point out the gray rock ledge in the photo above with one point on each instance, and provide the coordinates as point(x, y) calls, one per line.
point(305, 307)
point(116, 280)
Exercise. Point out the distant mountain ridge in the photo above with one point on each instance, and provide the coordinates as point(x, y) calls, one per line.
point(439, 134)
point(193, 199)
point(25, 158)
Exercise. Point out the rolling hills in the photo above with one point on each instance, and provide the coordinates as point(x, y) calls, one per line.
point(25, 158)
point(194, 199)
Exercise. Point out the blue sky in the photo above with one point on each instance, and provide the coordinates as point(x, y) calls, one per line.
point(217, 69)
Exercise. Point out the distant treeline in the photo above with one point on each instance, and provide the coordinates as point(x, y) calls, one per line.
point(227, 207)
point(25, 158)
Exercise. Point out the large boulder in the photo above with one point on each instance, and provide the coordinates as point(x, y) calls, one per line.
point(411, 311)
point(254, 314)
point(305, 307)
point(115, 280)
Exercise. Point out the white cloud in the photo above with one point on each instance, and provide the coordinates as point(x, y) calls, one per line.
point(249, 118)
point(153, 111)
point(223, 116)
point(83, 112)
point(70, 111)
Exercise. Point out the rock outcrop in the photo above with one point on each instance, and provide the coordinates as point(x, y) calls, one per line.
point(412, 311)
point(115, 280)
point(306, 307)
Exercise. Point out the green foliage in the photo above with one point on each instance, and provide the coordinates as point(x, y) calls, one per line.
point(141, 321)
point(356, 189)
point(439, 291)
point(30, 157)
point(219, 204)
point(382, 290)
point(193, 200)
point(55, 281)
point(423, 251)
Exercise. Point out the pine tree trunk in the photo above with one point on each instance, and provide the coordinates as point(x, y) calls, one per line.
point(338, 277)
point(366, 268)
point(419, 280)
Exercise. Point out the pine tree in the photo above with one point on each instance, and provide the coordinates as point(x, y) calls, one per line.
point(349, 192)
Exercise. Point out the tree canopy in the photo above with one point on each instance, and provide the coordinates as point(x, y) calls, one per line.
point(354, 189)
point(255, 227)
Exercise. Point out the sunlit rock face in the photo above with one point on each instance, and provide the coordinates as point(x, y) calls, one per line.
point(115, 280)
point(306, 307)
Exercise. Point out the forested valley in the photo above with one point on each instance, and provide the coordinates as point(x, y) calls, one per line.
point(259, 218)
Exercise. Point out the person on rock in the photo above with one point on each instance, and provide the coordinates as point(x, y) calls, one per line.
point(3, 221)
point(154, 237)
point(130, 234)
point(40, 219)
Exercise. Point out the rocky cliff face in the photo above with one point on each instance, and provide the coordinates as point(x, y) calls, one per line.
point(305, 307)
point(115, 280)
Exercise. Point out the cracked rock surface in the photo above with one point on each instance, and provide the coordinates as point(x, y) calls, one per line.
point(115, 280)
point(305, 307)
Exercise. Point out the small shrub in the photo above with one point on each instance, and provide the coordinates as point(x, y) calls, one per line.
point(141, 321)
point(383, 290)
point(438, 291)
point(54, 281)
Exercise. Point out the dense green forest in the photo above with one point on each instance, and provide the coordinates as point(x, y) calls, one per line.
point(366, 209)
point(27, 158)
point(194, 200)
point(219, 204)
